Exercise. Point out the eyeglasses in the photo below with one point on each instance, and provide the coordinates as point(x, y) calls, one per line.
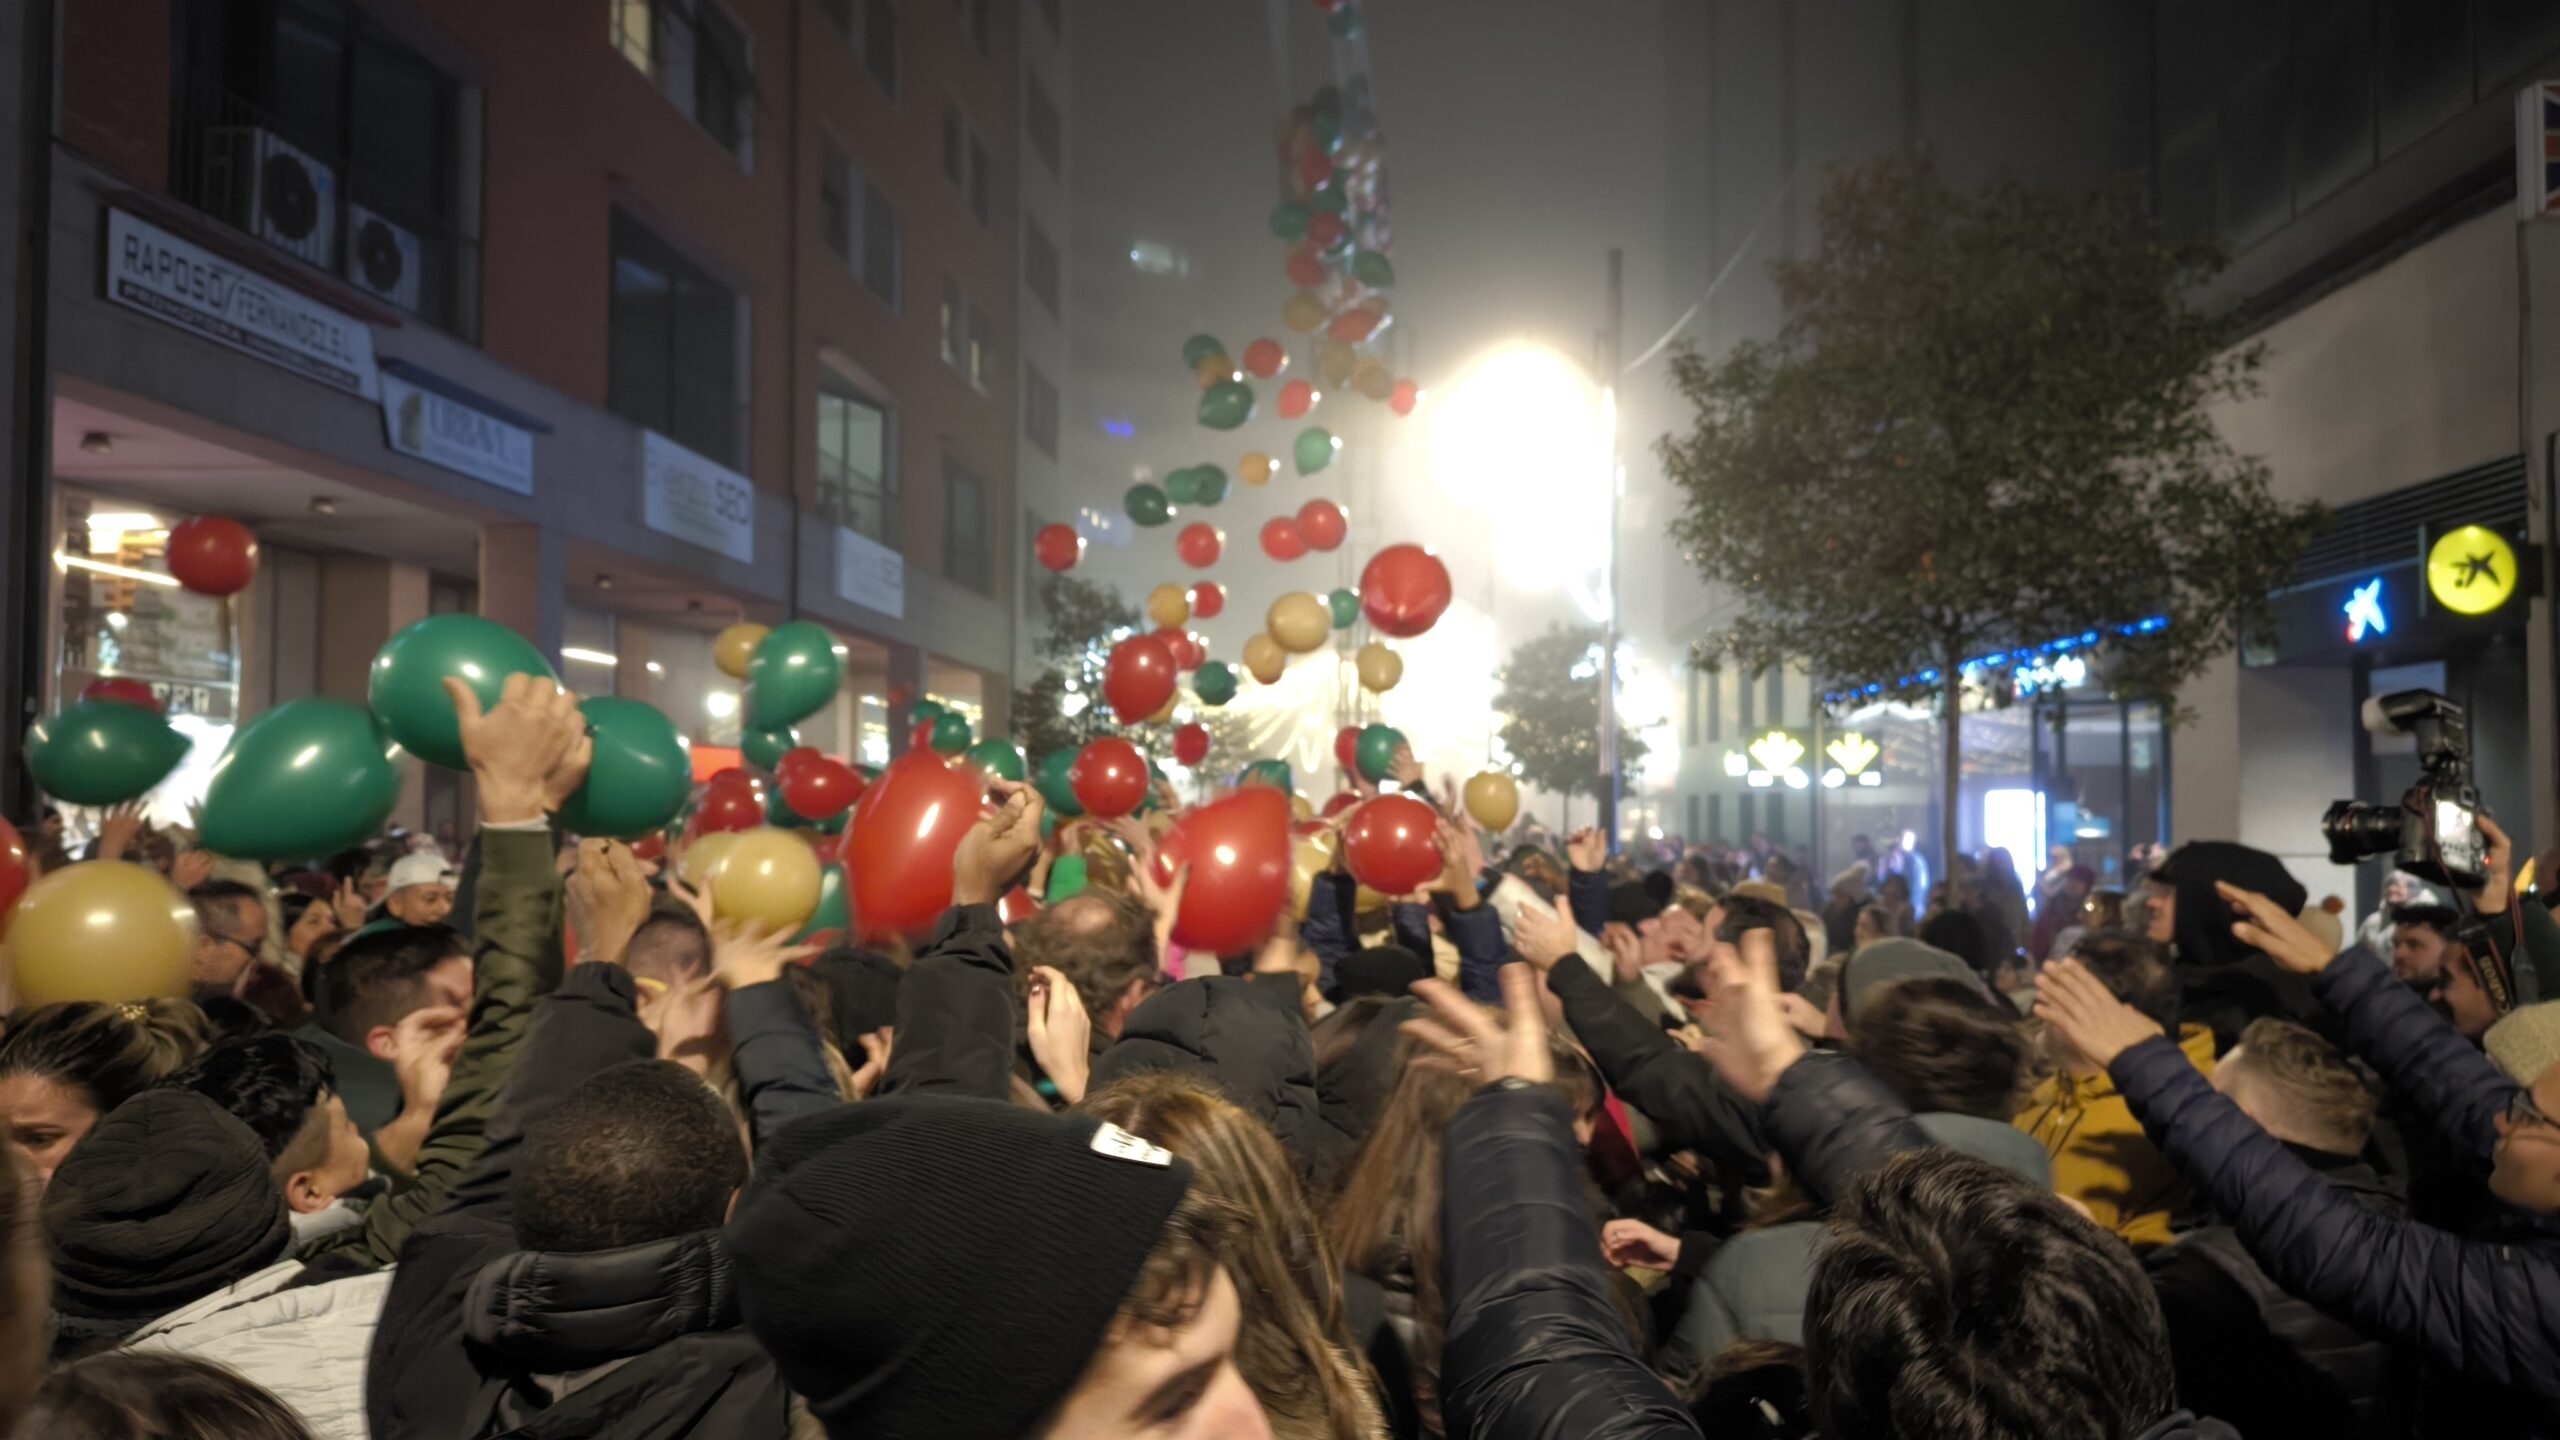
point(2522, 1112)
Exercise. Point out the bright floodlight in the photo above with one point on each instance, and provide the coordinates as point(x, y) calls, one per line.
point(1518, 439)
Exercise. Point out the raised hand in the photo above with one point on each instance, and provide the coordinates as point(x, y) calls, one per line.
point(1633, 1242)
point(191, 869)
point(1542, 937)
point(1404, 769)
point(2079, 1007)
point(118, 828)
point(1482, 1044)
point(744, 955)
point(529, 754)
point(999, 848)
point(1753, 1044)
point(1586, 849)
point(608, 900)
point(1060, 1033)
point(2265, 925)
point(2500, 862)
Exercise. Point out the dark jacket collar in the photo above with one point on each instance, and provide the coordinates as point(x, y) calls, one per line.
point(547, 1312)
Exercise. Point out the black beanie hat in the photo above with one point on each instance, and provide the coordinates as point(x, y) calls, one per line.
point(166, 1200)
point(1378, 970)
point(931, 1265)
point(1633, 902)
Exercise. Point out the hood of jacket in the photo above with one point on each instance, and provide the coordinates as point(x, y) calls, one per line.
point(547, 1313)
point(1243, 1035)
point(1997, 1141)
point(2203, 932)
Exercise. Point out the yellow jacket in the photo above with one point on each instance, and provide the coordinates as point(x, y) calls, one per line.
point(2100, 1156)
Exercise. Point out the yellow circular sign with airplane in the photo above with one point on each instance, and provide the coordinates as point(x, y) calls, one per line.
point(2471, 570)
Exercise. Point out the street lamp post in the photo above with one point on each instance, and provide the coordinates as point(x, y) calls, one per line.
point(1610, 340)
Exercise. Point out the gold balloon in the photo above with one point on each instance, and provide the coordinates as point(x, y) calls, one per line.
point(1301, 808)
point(1299, 622)
point(769, 879)
point(701, 861)
point(1493, 799)
point(1264, 659)
point(1368, 901)
point(735, 647)
point(1254, 468)
point(1309, 857)
point(1380, 668)
point(1169, 605)
point(1372, 378)
point(102, 930)
point(1164, 711)
point(1212, 369)
point(1335, 362)
point(1303, 312)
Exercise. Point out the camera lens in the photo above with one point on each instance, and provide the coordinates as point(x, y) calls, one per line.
point(2355, 831)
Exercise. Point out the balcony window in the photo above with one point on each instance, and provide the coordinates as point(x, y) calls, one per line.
point(854, 457)
point(674, 341)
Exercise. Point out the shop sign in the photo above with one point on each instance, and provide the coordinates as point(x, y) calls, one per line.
point(2471, 570)
point(174, 280)
point(2364, 612)
point(1853, 756)
point(446, 432)
point(698, 501)
point(1772, 758)
point(2538, 150)
point(870, 574)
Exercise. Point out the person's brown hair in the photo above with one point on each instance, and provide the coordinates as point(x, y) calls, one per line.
point(1293, 1349)
point(1100, 941)
point(2302, 1084)
point(151, 1395)
point(1942, 1045)
point(109, 1053)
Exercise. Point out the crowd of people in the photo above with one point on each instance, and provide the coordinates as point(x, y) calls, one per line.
point(1560, 1145)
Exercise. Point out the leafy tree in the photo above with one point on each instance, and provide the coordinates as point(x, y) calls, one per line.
point(1549, 698)
point(1080, 622)
point(1985, 423)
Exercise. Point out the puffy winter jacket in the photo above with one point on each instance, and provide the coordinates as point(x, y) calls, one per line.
point(2490, 1310)
point(305, 1345)
point(1688, 1104)
point(1247, 1036)
point(2100, 1157)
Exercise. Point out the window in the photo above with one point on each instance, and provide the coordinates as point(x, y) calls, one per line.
point(955, 324)
point(1040, 410)
point(964, 160)
point(982, 347)
point(1715, 706)
point(1047, 131)
point(871, 28)
point(673, 363)
point(854, 485)
point(1040, 265)
point(980, 168)
point(1715, 817)
point(635, 33)
point(857, 224)
point(879, 244)
point(696, 53)
point(964, 529)
point(1743, 699)
point(835, 201)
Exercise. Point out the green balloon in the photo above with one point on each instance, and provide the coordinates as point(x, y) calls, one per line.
point(1288, 221)
point(1182, 487)
point(793, 674)
point(406, 690)
point(950, 734)
point(308, 778)
point(640, 776)
point(1054, 785)
point(832, 913)
point(1344, 22)
point(1213, 484)
point(1068, 876)
point(1199, 348)
point(1330, 196)
point(1226, 405)
point(103, 752)
point(1314, 449)
point(765, 748)
point(1372, 269)
point(1214, 682)
point(1147, 505)
point(924, 712)
point(1000, 758)
point(1345, 605)
point(1377, 752)
point(1274, 773)
point(1328, 127)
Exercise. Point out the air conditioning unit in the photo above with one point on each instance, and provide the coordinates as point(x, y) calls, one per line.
point(258, 181)
point(382, 258)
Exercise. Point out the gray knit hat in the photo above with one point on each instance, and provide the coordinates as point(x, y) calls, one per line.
point(2527, 1043)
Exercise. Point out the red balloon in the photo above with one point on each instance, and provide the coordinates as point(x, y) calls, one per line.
point(13, 870)
point(1353, 325)
point(1191, 744)
point(821, 789)
point(1296, 399)
point(1404, 589)
point(212, 555)
point(1264, 357)
point(733, 777)
point(651, 847)
point(921, 738)
point(1059, 547)
point(1305, 270)
point(726, 807)
point(1016, 906)
point(1281, 540)
point(1324, 229)
point(1346, 748)
point(1314, 168)
point(793, 760)
point(1322, 524)
point(1238, 851)
point(1392, 844)
point(123, 690)
point(1340, 800)
point(1208, 597)
point(1109, 778)
point(1199, 544)
point(1404, 397)
point(1188, 649)
point(904, 831)
point(1138, 678)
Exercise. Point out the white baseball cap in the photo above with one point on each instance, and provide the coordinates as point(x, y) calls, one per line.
point(420, 869)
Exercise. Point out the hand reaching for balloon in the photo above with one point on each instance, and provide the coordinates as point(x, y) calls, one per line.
point(1634, 1243)
point(1406, 771)
point(1754, 1044)
point(1586, 849)
point(191, 869)
point(1542, 937)
point(1479, 1043)
point(998, 849)
point(2265, 925)
point(1060, 1033)
point(608, 900)
point(744, 955)
point(1626, 951)
point(1457, 870)
point(530, 754)
point(118, 828)
point(2077, 1006)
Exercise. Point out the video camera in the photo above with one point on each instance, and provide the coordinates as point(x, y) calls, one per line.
point(2434, 832)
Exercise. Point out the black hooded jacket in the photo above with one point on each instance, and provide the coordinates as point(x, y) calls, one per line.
point(2224, 984)
point(1245, 1035)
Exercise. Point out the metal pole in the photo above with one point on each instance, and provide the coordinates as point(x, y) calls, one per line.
point(1610, 340)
